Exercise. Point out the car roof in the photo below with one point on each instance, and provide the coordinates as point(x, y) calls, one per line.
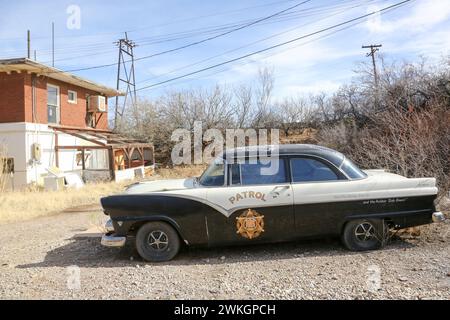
point(328, 154)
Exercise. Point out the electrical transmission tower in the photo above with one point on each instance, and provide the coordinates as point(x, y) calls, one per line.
point(373, 49)
point(125, 76)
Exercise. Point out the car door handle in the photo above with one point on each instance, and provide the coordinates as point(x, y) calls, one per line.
point(276, 191)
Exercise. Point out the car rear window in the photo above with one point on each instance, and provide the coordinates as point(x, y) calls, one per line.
point(352, 170)
point(309, 170)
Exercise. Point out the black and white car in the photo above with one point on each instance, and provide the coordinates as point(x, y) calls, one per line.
point(240, 199)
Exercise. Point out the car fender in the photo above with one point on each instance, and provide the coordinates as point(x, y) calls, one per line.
point(130, 222)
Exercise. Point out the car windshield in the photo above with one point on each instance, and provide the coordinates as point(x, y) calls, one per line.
point(214, 175)
point(352, 170)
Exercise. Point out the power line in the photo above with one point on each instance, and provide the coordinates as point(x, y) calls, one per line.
point(225, 33)
point(200, 41)
point(281, 17)
point(93, 49)
point(279, 52)
point(255, 42)
point(277, 45)
point(158, 25)
point(169, 37)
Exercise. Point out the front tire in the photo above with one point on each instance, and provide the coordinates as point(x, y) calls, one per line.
point(365, 234)
point(157, 242)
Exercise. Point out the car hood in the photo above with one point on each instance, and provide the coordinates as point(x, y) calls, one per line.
point(160, 186)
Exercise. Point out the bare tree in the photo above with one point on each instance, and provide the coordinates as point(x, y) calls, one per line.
point(293, 113)
point(262, 117)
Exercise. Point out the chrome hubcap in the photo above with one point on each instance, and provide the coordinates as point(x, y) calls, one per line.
point(158, 240)
point(365, 231)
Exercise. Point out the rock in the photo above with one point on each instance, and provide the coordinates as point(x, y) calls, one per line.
point(222, 258)
point(403, 279)
point(131, 258)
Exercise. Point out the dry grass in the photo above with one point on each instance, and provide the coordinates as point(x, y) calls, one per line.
point(27, 204)
point(24, 205)
point(179, 172)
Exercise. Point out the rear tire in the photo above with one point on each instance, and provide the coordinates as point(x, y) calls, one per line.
point(157, 242)
point(365, 234)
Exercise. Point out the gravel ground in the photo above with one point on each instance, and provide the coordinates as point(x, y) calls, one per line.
point(37, 259)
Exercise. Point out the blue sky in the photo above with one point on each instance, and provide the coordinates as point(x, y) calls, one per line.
point(320, 63)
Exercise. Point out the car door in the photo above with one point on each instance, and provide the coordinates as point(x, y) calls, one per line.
point(314, 183)
point(255, 206)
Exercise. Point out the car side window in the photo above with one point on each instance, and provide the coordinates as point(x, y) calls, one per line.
point(214, 176)
point(258, 172)
point(310, 170)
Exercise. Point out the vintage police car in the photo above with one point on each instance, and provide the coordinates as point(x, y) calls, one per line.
point(269, 194)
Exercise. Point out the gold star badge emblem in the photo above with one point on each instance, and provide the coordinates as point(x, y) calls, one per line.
point(250, 224)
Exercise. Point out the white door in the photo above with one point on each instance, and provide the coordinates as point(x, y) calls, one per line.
point(315, 183)
point(255, 206)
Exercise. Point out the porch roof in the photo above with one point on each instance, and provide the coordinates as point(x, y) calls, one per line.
point(102, 138)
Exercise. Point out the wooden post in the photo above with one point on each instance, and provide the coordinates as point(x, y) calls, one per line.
point(131, 155)
point(111, 163)
point(29, 44)
point(83, 164)
point(56, 151)
point(141, 152)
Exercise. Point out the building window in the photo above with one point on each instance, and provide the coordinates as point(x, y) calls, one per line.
point(72, 96)
point(53, 103)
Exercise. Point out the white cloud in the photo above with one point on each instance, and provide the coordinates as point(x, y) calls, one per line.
point(423, 16)
point(326, 86)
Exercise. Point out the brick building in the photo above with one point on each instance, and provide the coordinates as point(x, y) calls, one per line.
point(50, 118)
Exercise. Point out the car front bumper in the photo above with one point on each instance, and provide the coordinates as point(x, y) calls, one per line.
point(110, 239)
point(438, 217)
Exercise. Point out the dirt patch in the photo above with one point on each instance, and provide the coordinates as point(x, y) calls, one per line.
point(40, 258)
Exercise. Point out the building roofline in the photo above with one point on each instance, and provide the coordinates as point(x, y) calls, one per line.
point(30, 66)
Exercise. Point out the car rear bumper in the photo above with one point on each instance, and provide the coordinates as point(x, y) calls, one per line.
point(438, 217)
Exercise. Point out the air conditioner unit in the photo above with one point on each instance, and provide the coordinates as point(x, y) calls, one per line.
point(97, 104)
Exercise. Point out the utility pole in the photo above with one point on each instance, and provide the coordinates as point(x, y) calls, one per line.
point(53, 44)
point(125, 75)
point(373, 49)
point(29, 43)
